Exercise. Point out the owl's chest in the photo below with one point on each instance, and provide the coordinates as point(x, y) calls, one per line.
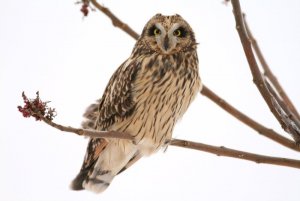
point(163, 93)
point(163, 82)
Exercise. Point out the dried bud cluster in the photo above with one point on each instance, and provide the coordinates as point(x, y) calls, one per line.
point(36, 108)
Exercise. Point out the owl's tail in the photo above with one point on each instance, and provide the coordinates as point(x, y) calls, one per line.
point(117, 156)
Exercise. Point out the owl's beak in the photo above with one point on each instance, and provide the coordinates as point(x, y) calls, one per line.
point(166, 43)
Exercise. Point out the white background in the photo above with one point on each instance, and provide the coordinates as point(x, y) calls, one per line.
point(48, 46)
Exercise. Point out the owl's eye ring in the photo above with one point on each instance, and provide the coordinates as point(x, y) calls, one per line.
point(180, 32)
point(156, 32)
point(177, 33)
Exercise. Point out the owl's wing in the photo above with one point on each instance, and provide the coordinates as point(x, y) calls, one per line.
point(116, 103)
point(117, 100)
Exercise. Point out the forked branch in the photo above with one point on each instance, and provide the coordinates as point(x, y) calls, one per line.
point(286, 120)
point(261, 129)
point(40, 111)
point(269, 74)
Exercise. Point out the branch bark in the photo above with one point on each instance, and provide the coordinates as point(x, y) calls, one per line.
point(262, 130)
point(223, 151)
point(220, 151)
point(115, 21)
point(286, 122)
point(40, 110)
point(269, 74)
point(86, 132)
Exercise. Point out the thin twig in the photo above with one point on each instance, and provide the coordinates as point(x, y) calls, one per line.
point(269, 74)
point(86, 132)
point(223, 151)
point(257, 76)
point(267, 132)
point(115, 21)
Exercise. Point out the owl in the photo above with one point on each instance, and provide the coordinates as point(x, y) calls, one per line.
point(145, 97)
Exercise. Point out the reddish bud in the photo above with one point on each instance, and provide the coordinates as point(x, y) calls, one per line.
point(85, 8)
point(36, 108)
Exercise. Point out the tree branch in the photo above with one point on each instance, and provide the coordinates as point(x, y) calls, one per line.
point(287, 123)
point(39, 109)
point(86, 132)
point(223, 151)
point(115, 21)
point(267, 132)
point(269, 74)
point(220, 151)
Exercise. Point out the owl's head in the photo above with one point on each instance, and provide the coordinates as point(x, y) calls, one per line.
point(168, 34)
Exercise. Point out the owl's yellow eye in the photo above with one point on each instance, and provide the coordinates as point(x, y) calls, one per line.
point(156, 32)
point(181, 32)
point(177, 33)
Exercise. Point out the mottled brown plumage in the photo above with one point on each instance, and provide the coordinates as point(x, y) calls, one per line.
point(145, 97)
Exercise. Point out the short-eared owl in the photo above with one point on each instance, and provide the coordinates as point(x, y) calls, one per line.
point(145, 97)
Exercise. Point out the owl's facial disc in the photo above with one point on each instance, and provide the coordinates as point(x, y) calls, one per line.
point(167, 38)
